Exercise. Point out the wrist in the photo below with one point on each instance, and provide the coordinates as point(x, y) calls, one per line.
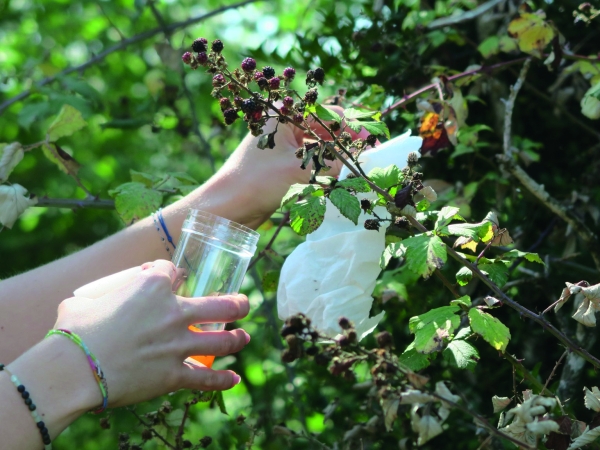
point(59, 379)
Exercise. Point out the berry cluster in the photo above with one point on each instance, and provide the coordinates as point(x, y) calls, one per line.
point(251, 93)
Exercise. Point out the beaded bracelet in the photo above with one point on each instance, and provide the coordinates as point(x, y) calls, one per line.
point(156, 224)
point(32, 408)
point(93, 362)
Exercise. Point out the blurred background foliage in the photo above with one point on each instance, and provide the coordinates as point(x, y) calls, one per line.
point(142, 106)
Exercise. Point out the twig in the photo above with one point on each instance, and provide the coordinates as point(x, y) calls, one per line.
point(519, 368)
point(180, 430)
point(264, 251)
point(148, 426)
point(554, 371)
point(74, 203)
point(464, 17)
point(120, 46)
point(311, 439)
point(509, 106)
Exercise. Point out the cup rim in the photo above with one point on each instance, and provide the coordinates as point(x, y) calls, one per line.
point(195, 213)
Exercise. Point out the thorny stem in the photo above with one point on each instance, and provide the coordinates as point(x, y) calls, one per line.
point(181, 429)
point(148, 426)
point(509, 104)
point(554, 371)
point(264, 251)
point(73, 203)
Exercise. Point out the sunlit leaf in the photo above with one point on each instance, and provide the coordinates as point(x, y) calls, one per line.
point(489, 328)
point(68, 121)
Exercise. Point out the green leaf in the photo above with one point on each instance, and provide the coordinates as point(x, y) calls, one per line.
point(489, 328)
point(464, 275)
point(307, 215)
point(355, 126)
point(424, 253)
point(531, 257)
point(393, 250)
point(270, 280)
point(174, 418)
point(497, 272)
point(461, 354)
point(376, 128)
point(146, 179)
point(352, 113)
point(446, 215)
point(476, 231)
point(423, 205)
point(309, 109)
point(220, 401)
point(433, 327)
point(205, 396)
point(297, 190)
point(464, 300)
point(183, 178)
point(10, 155)
point(387, 177)
point(327, 114)
point(68, 121)
point(326, 181)
point(134, 201)
point(347, 203)
point(355, 184)
point(414, 360)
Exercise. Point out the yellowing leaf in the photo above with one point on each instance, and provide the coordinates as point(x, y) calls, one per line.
point(13, 201)
point(68, 121)
point(532, 33)
point(62, 159)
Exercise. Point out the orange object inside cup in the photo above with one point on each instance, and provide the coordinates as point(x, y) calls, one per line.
point(207, 360)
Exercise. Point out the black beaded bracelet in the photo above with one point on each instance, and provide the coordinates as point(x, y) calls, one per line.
point(32, 408)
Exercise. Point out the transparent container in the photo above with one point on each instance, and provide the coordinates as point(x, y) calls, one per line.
point(212, 257)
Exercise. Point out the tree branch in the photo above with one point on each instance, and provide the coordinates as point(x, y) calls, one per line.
point(464, 17)
point(120, 46)
point(509, 106)
point(75, 203)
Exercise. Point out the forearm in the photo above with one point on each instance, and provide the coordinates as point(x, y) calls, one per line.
point(61, 385)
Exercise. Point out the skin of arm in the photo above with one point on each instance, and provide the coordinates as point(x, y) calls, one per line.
point(247, 189)
point(140, 336)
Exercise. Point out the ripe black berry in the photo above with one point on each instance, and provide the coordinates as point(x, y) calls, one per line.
point(365, 204)
point(202, 58)
point(248, 106)
point(319, 75)
point(344, 323)
point(289, 73)
point(263, 83)
point(218, 80)
point(312, 351)
point(268, 72)
point(230, 116)
point(248, 64)
point(372, 224)
point(186, 57)
point(384, 339)
point(274, 83)
point(217, 46)
point(371, 139)
point(311, 96)
point(199, 45)
point(205, 441)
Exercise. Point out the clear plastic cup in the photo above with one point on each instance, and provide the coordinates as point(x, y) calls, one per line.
point(212, 257)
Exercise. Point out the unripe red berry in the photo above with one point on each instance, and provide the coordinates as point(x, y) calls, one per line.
point(298, 118)
point(237, 101)
point(218, 80)
point(258, 75)
point(199, 45)
point(217, 46)
point(274, 83)
point(285, 111)
point(289, 73)
point(257, 115)
point(202, 58)
point(288, 101)
point(225, 103)
point(263, 83)
point(248, 64)
point(186, 57)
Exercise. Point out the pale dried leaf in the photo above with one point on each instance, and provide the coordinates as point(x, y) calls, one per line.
point(442, 390)
point(409, 210)
point(542, 427)
point(428, 193)
point(13, 201)
point(491, 301)
point(592, 398)
point(414, 396)
point(417, 380)
point(10, 156)
point(500, 403)
point(587, 437)
point(390, 411)
point(564, 296)
point(586, 313)
point(428, 427)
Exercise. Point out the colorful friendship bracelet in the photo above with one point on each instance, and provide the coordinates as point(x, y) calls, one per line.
point(32, 408)
point(156, 224)
point(164, 227)
point(93, 362)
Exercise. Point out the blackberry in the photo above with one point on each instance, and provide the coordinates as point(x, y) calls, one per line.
point(248, 106)
point(230, 116)
point(312, 351)
point(263, 83)
point(365, 204)
point(217, 46)
point(371, 140)
point(186, 57)
point(289, 73)
point(298, 118)
point(225, 103)
point(268, 72)
point(187, 444)
point(310, 78)
point(274, 83)
point(319, 75)
point(248, 64)
point(335, 126)
point(384, 339)
point(218, 80)
point(205, 441)
point(344, 323)
point(311, 96)
point(199, 45)
point(372, 224)
point(284, 110)
point(202, 58)
point(258, 75)
point(288, 101)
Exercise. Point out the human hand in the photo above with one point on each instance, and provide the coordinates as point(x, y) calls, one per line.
point(139, 333)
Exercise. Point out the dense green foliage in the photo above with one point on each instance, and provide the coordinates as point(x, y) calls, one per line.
point(141, 106)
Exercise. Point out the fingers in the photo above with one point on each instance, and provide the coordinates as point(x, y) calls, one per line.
point(205, 379)
point(161, 268)
point(226, 308)
point(217, 343)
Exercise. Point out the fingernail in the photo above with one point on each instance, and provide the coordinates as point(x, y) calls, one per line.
point(247, 337)
point(236, 379)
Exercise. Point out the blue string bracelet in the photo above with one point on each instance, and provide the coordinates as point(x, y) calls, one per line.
point(41, 426)
point(160, 234)
point(164, 227)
